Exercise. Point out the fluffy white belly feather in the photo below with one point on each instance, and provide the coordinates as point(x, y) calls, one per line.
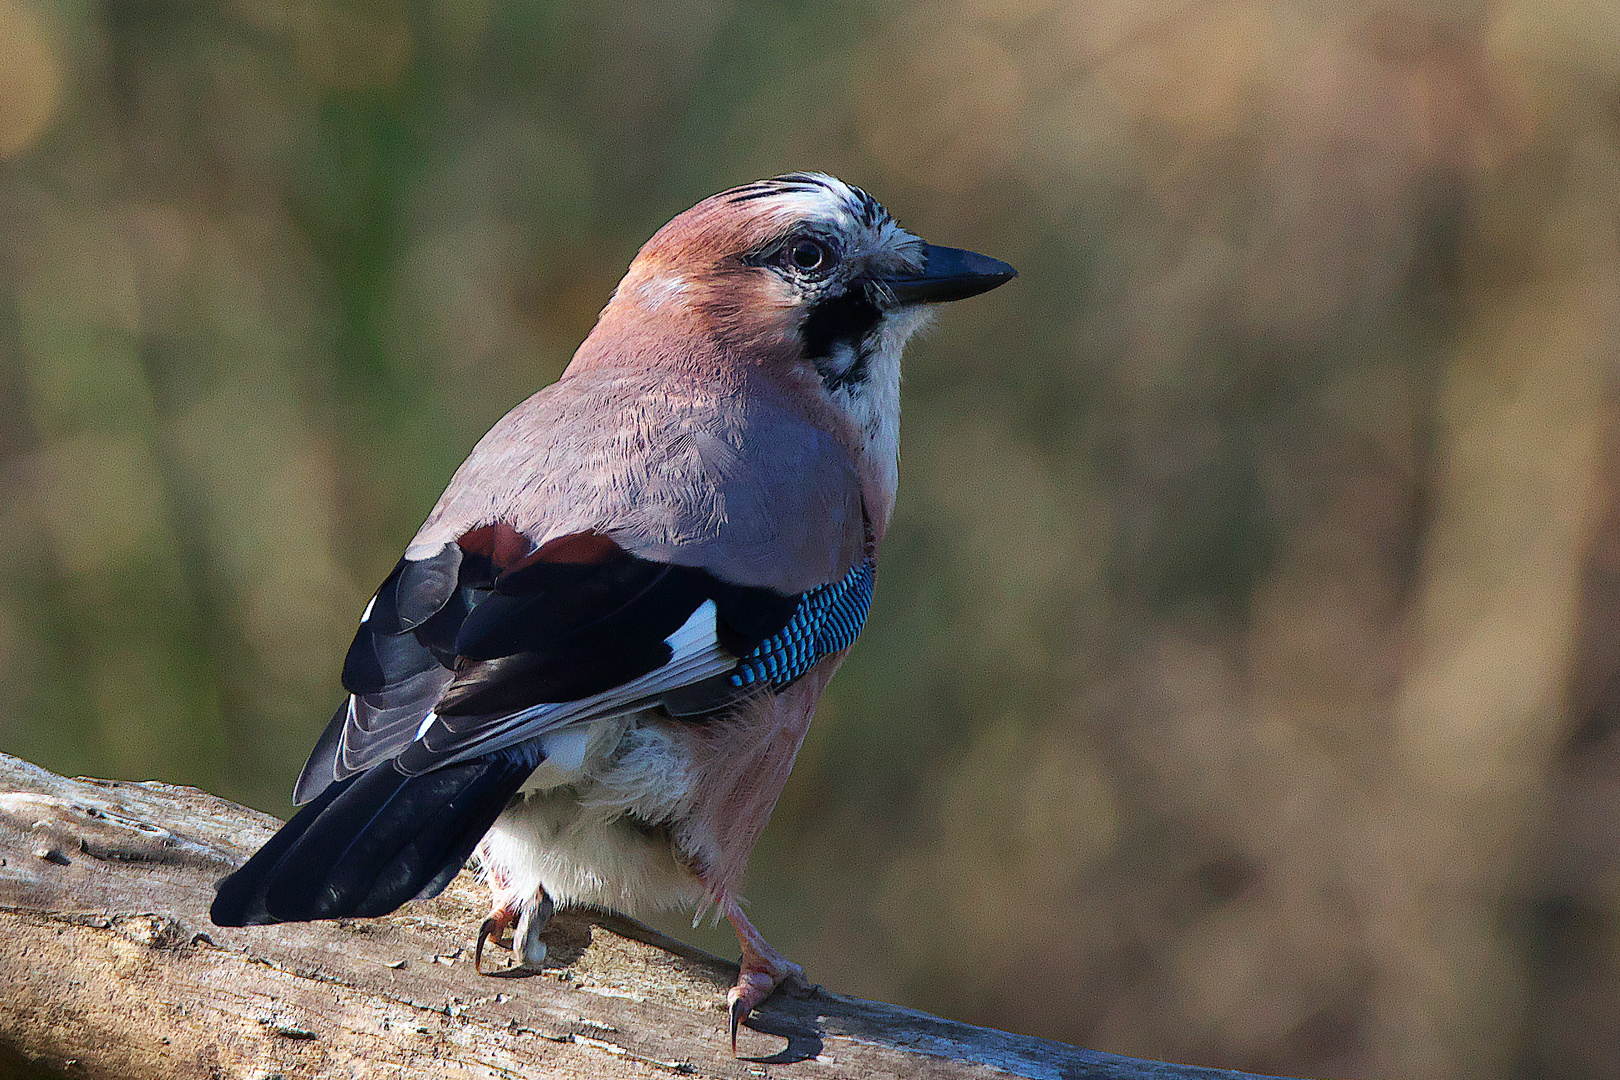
point(586, 826)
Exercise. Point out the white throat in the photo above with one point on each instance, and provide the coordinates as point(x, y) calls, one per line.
point(874, 403)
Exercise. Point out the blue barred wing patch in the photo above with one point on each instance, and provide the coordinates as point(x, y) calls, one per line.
point(827, 620)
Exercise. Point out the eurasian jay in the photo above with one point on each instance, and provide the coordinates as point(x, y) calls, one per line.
point(595, 664)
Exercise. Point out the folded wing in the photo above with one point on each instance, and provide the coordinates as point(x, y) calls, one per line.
point(486, 644)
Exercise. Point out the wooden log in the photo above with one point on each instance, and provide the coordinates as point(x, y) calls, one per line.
point(113, 970)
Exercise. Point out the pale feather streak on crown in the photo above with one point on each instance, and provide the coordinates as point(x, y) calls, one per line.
point(860, 205)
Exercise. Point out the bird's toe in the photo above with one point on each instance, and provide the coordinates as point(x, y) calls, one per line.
point(759, 978)
point(526, 943)
point(496, 928)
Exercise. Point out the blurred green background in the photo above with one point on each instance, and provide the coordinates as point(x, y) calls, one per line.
point(1241, 683)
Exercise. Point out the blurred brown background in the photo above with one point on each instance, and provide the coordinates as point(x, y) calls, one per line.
point(1242, 681)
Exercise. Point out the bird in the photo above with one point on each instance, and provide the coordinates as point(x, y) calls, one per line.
point(593, 667)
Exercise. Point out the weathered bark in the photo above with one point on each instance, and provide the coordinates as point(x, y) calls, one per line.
point(113, 970)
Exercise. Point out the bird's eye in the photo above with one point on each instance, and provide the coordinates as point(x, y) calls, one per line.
point(808, 256)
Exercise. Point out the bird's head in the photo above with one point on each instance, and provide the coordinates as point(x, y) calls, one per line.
point(803, 276)
point(802, 264)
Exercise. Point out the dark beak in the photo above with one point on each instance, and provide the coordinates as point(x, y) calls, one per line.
point(949, 274)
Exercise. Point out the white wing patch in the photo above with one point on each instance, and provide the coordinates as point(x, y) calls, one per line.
point(427, 722)
point(696, 655)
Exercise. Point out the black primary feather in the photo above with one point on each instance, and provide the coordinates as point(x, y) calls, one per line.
point(368, 844)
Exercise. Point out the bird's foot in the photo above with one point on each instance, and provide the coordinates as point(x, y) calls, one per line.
point(764, 970)
point(758, 979)
point(517, 928)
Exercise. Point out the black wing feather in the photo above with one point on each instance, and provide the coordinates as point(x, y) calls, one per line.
point(544, 606)
point(371, 842)
point(551, 633)
point(322, 767)
point(384, 652)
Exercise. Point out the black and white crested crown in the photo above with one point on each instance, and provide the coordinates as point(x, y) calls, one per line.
point(856, 203)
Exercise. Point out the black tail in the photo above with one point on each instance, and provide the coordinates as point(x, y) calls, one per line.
point(368, 844)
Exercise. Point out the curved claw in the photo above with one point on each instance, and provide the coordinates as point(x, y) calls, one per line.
point(487, 928)
point(491, 928)
point(752, 988)
point(737, 1011)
